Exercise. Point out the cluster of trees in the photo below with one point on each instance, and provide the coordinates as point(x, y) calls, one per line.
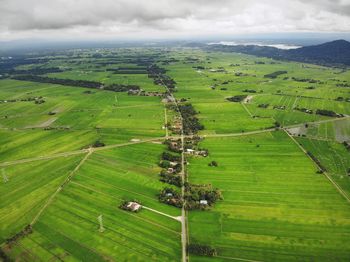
point(66, 82)
point(195, 193)
point(330, 113)
point(275, 74)
point(171, 164)
point(213, 163)
point(171, 178)
point(340, 98)
point(160, 78)
point(98, 143)
point(249, 91)
point(170, 157)
point(201, 250)
point(171, 197)
point(128, 70)
point(263, 105)
point(237, 98)
point(79, 83)
point(343, 85)
point(174, 146)
point(191, 123)
point(37, 71)
point(7, 66)
point(306, 80)
point(121, 88)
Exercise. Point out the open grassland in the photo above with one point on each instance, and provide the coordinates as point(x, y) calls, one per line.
point(71, 119)
point(27, 189)
point(68, 228)
point(275, 207)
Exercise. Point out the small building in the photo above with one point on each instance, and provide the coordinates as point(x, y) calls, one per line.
point(190, 151)
point(133, 206)
point(203, 202)
point(169, 194)
point(170, 170)
point(173, 164)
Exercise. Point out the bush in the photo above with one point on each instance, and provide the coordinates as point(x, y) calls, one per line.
point(98, 144)
point(170, 157)
point(275, 74)
point(201, 250)
point(213, 163)
point(237, 98)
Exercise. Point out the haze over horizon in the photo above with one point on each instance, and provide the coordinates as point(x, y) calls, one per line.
point(169, 19)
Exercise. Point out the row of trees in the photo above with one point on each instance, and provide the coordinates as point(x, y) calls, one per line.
point(78, 83)
point(275, 74)
point(191, 124)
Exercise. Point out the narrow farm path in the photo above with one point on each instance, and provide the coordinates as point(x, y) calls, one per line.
point(67, 180)
point(179, 218)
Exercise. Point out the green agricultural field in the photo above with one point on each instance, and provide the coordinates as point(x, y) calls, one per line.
point(84, 130)
point(275, 207)
point(333, 156)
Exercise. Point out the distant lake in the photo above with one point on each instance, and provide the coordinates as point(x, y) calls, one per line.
point(276, 45)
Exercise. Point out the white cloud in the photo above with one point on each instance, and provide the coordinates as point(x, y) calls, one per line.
point(165, 18)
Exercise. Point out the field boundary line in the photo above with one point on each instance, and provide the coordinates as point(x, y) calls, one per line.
point(67, 180)
point(339, 189)
point(247, 110)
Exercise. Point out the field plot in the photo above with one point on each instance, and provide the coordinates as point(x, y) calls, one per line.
point(27, 188)
point(336, 130)
point(69, 230)
point(275, 207)
point(334, 157)
point(71, 119)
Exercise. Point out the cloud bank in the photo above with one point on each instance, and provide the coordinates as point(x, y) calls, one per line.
point(168, 18)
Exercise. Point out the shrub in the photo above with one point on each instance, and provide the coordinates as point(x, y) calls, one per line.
point(201, 250)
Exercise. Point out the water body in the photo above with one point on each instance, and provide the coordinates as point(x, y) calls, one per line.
point(276, 45)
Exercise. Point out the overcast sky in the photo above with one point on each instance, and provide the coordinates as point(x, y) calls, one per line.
point(139, 19)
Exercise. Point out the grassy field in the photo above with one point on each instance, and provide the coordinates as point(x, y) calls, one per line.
point(68, 229)
point(28, 188)
point(333, 156)
point(275, 207)
point(27, 129)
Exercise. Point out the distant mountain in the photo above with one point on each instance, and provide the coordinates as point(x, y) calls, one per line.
point(331, 53)
point(335, 52)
